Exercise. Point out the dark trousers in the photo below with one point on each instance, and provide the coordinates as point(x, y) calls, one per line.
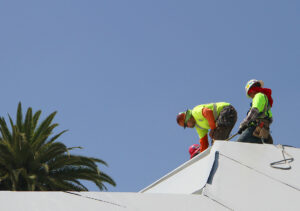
point(247, 137)
point(225, 123)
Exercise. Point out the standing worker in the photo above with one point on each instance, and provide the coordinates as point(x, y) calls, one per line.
point(218, 117)
point(255, 127)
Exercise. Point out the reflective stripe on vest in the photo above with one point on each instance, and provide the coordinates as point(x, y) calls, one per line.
point(215, 112)
point(198, 126)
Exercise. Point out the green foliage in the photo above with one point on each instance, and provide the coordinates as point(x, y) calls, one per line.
point(31, 160)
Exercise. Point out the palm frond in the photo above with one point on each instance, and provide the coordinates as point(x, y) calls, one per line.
point(5, 133)
point(35, 119)
point(20, 118)
point(43, 137)
point(43, 126)
point(62, 185)
point(28, 124)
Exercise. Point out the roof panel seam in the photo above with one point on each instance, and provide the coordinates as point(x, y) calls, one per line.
point(277, 180)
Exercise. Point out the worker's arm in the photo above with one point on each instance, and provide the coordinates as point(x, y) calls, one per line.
point(209, 115)
point(252, 114)
point(203, 143)
point(258, 104)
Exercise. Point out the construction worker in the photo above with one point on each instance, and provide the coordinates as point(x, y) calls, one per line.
point(255, 127)
point(194, 150)
point(218, 117)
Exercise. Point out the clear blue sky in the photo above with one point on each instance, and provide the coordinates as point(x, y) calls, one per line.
point(118, 72)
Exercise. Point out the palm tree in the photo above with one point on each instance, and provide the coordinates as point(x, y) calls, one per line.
point(31, 160)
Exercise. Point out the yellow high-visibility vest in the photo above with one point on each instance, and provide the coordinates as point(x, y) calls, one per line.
point(202, 125)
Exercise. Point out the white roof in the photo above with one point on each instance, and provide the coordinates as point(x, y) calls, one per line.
point(227, 176)
point(95, 201)
point(239, 176)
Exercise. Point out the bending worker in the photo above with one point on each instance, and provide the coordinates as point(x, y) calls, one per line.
point(218, 117)
point(255, 127)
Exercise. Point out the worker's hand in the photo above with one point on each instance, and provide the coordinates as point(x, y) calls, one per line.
point(241, 129)
point(211, 133)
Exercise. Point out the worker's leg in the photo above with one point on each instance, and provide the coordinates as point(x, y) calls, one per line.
point(269, 140)
point(247, 136)
point(227, 117)
point(222, 133)
point(225, 123)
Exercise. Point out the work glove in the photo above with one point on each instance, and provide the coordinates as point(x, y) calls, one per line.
point(242, 128)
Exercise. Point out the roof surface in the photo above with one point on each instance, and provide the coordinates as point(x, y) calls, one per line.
point(92, 201)
point(239, 176)
point(227, 176)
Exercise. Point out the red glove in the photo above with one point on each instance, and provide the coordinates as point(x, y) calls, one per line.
point(203, 143)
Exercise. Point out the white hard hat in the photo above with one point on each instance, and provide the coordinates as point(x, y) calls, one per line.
point(251, 83)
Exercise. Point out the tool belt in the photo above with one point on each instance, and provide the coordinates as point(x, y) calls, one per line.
point(262, 129)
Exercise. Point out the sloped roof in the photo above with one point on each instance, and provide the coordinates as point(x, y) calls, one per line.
point(239, 176)
point(227, 176)
point(95, 201)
